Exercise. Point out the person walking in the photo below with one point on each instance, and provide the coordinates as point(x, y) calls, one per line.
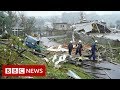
point(70, 47)
point(93, 51)
point(79, 48)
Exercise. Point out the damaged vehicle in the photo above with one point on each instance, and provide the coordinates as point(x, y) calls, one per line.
point(33, 43)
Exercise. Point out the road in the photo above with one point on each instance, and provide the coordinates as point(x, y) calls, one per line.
point(47, 42)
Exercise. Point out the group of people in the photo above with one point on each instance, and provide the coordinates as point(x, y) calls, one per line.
point(80, 48)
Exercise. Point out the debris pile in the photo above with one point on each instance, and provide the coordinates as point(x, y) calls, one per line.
point(57, 49)
point(58, 59)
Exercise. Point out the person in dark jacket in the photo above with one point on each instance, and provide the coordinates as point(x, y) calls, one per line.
point(93, 50)
point(70, 47)
point(79, 48)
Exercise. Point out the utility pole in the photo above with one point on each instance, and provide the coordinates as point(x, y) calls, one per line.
point(81, 16)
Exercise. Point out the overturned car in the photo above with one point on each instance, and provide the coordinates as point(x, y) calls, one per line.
point(33, 43)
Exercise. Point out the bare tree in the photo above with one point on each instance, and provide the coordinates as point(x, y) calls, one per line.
point(28, 23)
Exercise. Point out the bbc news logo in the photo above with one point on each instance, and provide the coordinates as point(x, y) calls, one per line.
point(23, 70)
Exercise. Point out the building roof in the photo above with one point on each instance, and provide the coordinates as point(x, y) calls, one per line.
point(86, 26)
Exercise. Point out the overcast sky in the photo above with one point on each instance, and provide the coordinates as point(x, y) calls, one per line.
point(50, 13)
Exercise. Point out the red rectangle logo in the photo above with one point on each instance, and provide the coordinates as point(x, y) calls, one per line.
point(23, 70)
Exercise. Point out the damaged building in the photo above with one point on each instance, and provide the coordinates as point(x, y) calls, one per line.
point(58, 29)
point(92, 27)
point(61, 26)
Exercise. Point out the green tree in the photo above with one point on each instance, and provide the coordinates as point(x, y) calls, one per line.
point(30, 25)
point(2, 23)
point(8, 20)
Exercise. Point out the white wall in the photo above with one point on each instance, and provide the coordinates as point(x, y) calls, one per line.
point(61, 26)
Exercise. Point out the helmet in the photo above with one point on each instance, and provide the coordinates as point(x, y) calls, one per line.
point(80, 41)
point(96, 41)
point(70, 41)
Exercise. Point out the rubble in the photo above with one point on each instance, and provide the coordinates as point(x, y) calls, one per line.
point(46, 59)
point(52, 48)
point(54, 58)
point(73, 75)
point(61, 59)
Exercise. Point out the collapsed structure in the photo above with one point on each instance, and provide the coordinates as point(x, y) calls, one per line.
point(91, 26)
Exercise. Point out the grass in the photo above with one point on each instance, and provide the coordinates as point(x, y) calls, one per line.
point(61, 73)
point(77, 70)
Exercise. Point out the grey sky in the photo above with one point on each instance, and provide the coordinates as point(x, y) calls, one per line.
point(50, 13)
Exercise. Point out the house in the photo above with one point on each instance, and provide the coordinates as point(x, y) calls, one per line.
point(92, 27)
point(56, 29)
point(61, 26)
point(17, 30)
